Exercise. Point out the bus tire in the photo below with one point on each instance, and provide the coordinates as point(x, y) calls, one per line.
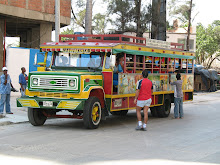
point(164, 110)
point(119, 113)
point(92, 113)
point(36, 116)
point(153, 111)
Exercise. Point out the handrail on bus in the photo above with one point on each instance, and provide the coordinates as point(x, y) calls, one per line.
point(113, 38)
point(177, 46)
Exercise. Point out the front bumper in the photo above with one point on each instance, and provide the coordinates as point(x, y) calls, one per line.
point(36, 102)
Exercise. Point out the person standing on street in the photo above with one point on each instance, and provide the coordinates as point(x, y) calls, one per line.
point(143, 99)
point(178, 97)
point(5, 91)
point(23, 81)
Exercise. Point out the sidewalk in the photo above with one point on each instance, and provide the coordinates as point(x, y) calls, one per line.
point(20, 114)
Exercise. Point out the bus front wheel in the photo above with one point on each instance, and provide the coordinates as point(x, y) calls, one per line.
point(92, 113)
point(36, 116)
point(164, 110)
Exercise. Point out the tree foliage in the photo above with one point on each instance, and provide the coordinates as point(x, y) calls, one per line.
point(123, 11)
point(99, 21)
point(130, 15)
point(179, 9)
point(68, 31)
point(208, 43)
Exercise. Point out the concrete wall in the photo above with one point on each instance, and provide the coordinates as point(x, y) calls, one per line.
point(17, 58)
point(1, 43)
point(36, 9)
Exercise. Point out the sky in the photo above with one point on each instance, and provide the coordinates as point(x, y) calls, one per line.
point(208, 11)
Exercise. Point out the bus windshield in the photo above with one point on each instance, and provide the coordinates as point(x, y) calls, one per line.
point(64, 59)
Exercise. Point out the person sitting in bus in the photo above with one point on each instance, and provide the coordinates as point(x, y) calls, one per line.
point(64, 61)
point(156, 69)
point(148, 68)
point(171, 68)
point(118, 68)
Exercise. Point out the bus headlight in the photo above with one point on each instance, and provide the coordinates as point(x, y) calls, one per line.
point(35, 81)
point(72, 83)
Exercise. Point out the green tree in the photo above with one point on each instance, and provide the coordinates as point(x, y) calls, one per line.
point(123, 11)
point(100, 22)
point(131, 15)
point(208, 43)
point(68, 31)
point(80, 16)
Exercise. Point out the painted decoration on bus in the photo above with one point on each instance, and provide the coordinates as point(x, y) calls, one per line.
point(163, 64)
point(148, 59)
point(187, 81)
point(77, 51)
point(157, 61)
point(128, 82)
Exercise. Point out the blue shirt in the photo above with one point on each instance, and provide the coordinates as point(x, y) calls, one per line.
point(5, 89)
point(22, 80)
point(120, 69)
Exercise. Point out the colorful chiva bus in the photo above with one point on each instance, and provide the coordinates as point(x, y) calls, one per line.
point(81, 78)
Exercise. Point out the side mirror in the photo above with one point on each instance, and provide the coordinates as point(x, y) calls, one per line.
point(112, 60)
point(35, 59)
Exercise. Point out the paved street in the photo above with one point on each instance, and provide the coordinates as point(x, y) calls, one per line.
point(192, 140)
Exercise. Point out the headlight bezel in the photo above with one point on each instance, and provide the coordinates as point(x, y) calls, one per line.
point(73, 82)
point(35, 81)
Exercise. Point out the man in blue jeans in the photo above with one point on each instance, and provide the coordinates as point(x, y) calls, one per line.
point(178, 97)
point(5, 91)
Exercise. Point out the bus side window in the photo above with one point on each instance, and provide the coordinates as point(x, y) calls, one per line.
point(170, 65)
point(184, 64)
point(164, 65)
point(130, 63)
point(148, 63)
point(156, 65)
point(139, 63)
point(189, 65)
point(107, 61)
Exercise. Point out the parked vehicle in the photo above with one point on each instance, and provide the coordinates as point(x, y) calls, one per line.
point(80, 78)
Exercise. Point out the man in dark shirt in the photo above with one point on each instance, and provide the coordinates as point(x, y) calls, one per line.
point(178, 97)
point(23, 81)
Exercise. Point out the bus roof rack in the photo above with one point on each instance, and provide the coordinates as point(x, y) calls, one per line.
point(120, 38)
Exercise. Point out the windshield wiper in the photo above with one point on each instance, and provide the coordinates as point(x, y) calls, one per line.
point(92, 69)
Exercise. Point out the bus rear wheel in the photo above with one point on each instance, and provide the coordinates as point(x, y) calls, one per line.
point(119, 113)
point(36, 116)
point(92, 113)
point(164, 110)
point(153, 111)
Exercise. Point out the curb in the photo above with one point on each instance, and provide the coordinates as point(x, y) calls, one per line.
point(4, 123)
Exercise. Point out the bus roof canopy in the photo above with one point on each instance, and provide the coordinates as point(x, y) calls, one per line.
point(145, 53)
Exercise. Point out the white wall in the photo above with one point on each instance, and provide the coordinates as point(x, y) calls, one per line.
point(15, 59)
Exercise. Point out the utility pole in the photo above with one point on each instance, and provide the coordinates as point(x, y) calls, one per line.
point(88, 18)
point(138, 18)
point(189, 25)
point(57, 20)
point(158, 26)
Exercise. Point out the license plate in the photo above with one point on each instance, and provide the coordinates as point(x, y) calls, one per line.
point(47, 103)
point(118, 103)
